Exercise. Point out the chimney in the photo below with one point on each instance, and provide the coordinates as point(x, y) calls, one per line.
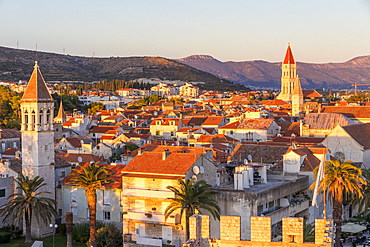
point(139, 151)
point(165, 154)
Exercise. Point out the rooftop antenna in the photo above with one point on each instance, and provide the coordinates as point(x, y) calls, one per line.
point(64, 50)
point(17, 44)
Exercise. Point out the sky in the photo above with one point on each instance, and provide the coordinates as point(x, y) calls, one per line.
point(319, 31)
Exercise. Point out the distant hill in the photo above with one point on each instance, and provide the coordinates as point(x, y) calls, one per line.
point(17, 64)
point(262, 73)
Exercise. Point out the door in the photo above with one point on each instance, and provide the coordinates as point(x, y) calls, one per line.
point(140, 230)
point(167, 235)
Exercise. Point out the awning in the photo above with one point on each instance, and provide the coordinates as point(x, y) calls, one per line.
point(353, 228)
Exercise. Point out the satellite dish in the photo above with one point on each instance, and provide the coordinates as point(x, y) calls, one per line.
point(201, 169)
point(293, 135)
point(79, 159)
point(245, 162)
point(196, 170)
point(249, 157)
point(279, 135)
point(194, 177)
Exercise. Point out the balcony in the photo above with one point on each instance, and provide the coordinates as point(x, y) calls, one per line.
point(147, 193)
point(152, 217)
point(149, 241)
point(288, 211)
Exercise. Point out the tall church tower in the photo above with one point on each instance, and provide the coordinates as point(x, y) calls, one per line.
point(297, 99)
point(288, 76)
point(37, 109)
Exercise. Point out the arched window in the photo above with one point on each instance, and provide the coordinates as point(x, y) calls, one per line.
point(26, 117)
point(48, 117)
point(33, 117)
point(41, 113)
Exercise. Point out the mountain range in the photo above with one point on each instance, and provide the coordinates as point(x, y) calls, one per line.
point(265, 74)
point(17, 64)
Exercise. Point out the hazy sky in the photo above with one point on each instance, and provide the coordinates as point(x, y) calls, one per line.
point(229, 30)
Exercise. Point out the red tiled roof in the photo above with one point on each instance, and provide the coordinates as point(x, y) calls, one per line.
point(178, 161)
point(36, 88)
point(356, 111)
point(254, 123)
point(102, 129)
point(311, 94)
point(213, 120)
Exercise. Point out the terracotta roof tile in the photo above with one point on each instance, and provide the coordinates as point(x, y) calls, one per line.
point(178, 161)
point(254, 123)
point(356, 111)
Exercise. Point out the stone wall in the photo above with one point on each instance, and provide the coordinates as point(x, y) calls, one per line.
point(260, 233)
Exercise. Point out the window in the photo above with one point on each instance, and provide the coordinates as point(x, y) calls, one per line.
point(158, 122)
point(106, 215)
point(172, 122)
point(157, 133)
point(2, 193)
point(172, 133)
point(106, 197)
point(231, 132)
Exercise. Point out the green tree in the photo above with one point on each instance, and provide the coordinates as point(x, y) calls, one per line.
point(93, 108)
point(131, 146)
point(29, 202)
point(191, 197)
point(114, 157)
point(308, 232)
point(9, 108)
point(341, 179)
point(91, 178)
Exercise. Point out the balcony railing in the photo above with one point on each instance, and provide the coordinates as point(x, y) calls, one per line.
point(288, 211)
point(151, 217)
point(147, 193)
point(149, 241)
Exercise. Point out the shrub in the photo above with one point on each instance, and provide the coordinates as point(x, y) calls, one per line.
point(63, 229)
point(108, 236)
point(5, 237)
point(81, 231)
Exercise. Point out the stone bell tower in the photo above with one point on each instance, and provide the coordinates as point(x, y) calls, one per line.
point(288, 76)
point(37, 115)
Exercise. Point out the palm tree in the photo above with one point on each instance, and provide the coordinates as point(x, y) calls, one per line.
point(28, 202)
point(190, 198)
point(91, 178)
point(364, 202)
point(340, 179)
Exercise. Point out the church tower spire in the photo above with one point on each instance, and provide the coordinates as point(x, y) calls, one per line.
point(297, 98)
point(288, 76)
point(37, 115)
point(61, 117)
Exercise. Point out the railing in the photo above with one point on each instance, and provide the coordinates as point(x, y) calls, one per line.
point(151, 217)
point(288, 211)
point(149, 241)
